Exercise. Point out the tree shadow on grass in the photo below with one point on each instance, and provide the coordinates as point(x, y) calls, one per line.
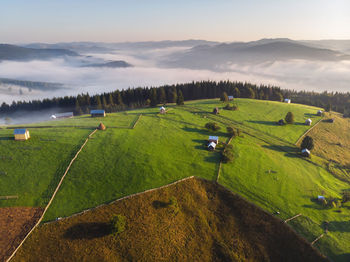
point(268, 123)
point(339, 226)
point(89, 230)
point(160, 204)
point(309, 115)
point(6, 138)
point(204, 131)
point(289, 151)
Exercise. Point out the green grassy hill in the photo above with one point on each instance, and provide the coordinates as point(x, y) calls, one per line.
point(164, 148)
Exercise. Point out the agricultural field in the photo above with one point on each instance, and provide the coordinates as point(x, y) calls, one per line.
point(194, 220)
point(161, 149)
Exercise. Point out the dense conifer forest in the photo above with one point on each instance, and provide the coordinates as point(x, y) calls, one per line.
point(151, 96)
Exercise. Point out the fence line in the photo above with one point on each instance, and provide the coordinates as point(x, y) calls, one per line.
point(126, 197)
point(8, 197)
point(313, 242)
point(289, 219)
point(219, 170)
point(52, 197)
point(136, 121)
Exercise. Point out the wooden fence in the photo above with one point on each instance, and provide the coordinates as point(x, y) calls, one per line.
point(52, 197)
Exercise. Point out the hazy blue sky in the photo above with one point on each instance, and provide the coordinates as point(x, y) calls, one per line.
point(133, 20)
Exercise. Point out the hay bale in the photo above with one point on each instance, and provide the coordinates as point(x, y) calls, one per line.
point(101, 127)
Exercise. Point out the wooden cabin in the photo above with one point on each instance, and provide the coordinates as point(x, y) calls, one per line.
point(21, 134)
point(98, 113)
point(287, 100)
point(211, 146)
point(319, 112)
point(162, 110)
point(305, 152)
point(214, 139)
point(230, 98)
point(308, 122)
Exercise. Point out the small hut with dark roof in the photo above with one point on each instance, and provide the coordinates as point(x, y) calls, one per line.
point(98, 113)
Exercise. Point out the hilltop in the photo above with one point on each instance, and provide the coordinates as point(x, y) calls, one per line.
point(18, 53)
point(209, 223)
point(142, 149)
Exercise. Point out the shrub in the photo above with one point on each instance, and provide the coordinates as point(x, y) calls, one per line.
point(289, 118)
point(212, 126)
point(174, 205)
point(232, 108)
point(231, 131)
point(117, 224)
point(307, 143)
point(346, 196)
point(224, 97)
point(227, 155)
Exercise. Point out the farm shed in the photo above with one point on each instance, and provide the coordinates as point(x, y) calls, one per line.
point(305, 152)
point(62, 115)
point(321, 198)
point(230, 98)
point(211, 146)
point(21, 134)
point(280, 122)
point(319, 112)
point(214, 139)
point(287, 100)
point(308, 122)
point(98, 113)
point(162, 110)
point(216, 111)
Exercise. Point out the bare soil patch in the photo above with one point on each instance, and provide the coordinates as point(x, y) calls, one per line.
point(15, 223)
point(194, 220)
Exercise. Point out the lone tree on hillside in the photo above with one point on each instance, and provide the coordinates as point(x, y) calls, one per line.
point(307, 143)
point(117, 224)
point(224, 97)
point(231, 131)
point(180, 98)
point(289, 118)
point(212, 126)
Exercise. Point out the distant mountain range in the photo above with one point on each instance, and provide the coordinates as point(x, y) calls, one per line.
point(266, 50)
point(18, 53)
point(99, 47)
point(112, 64)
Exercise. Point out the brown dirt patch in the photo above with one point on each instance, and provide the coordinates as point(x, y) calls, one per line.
point(15, 223)
point(211, 224)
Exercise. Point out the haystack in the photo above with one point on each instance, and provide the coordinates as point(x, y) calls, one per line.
point(101, 127)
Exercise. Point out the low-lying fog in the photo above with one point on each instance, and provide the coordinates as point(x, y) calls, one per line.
point(147, 71)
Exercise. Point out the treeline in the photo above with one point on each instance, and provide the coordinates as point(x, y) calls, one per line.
point(143, 97)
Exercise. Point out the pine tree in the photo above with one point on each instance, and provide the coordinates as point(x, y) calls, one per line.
point(236, 93)
point(77, 109)
point(289, 118)
point(180, 98)
point(172, 97)
point(153, 98)
point(161, 95)
point(224, 97)
point(307, 143)
point(104, 102)
point(97, 102)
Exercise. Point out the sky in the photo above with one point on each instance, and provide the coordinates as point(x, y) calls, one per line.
point(24, 21)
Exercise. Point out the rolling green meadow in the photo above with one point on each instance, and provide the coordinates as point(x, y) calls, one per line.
point(161, 149)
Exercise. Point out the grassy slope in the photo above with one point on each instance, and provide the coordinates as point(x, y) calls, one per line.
point(212, 224)
point(332, 140)
point(31, 169)
point(162, 149)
